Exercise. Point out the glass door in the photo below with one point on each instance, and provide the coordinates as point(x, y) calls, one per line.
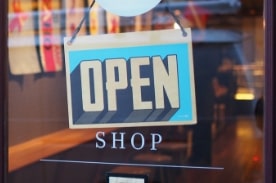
point(229, 69)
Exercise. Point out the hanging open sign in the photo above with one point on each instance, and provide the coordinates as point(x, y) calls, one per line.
point(130, 79)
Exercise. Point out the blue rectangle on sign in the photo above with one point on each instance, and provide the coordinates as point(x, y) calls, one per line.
point(130, 85)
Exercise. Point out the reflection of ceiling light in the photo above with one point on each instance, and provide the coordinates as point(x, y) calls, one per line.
point(130, 7)
point(244, 94)
point(258, 73)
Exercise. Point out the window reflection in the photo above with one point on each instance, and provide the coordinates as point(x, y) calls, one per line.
point(228, 61)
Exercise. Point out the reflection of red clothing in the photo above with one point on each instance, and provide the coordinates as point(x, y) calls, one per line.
point(114, 25)
point(19, 17)
point(15, 22)
point(197, 16)
point(16, 7)
point(46, 37)
point(47, 4)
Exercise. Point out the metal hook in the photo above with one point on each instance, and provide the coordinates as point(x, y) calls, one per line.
point(176, 19)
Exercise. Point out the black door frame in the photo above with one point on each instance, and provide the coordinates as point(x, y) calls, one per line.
point(3, 93)
point(270, 91)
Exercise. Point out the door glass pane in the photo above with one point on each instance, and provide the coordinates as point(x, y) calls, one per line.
point(226, 143)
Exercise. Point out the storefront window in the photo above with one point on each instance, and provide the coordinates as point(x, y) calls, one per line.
point(224, 145)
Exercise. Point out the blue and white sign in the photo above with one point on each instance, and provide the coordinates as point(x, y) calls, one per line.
point(130, 79)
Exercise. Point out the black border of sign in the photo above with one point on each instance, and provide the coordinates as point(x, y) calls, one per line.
point(126, 175)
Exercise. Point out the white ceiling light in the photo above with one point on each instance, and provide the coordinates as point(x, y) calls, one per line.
point(128, 7)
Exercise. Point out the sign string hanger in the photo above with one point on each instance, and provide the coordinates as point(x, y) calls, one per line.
point(75, 33)
point(176, 19)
